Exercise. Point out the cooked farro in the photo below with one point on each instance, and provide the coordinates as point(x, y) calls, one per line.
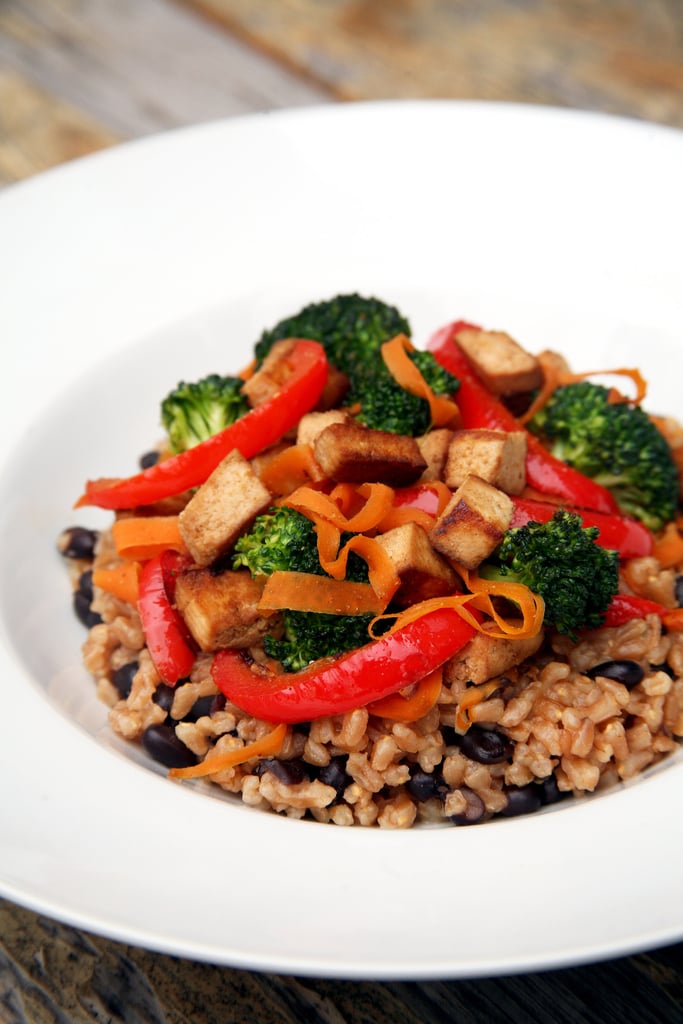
point(517, 725)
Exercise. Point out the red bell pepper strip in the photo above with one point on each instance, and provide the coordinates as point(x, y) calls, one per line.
point(479, 408)
point(363, 675)
point(617, 532)
point(251, 434)
point(625, 607)
point(173, 563)
point(167, 639)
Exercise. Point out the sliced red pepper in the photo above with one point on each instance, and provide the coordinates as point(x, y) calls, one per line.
point(366, 674)
point(479, 408)
point(617, 532)
point(420, 496)
point(625, 607)
point(251, 434)
point(165, 633)
point(172, 564)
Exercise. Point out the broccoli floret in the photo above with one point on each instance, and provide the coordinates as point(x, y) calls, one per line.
point(193, 412)
point(285, 540)
point(281, 539)
point(615, 444)
point(310, 635)
point(560, 561)
point(350, 328)
point(385, 405)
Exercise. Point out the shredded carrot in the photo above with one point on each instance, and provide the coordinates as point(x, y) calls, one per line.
point(266, 745)
point(400, 708)
point(122, 581)
point(401, 514)
point(481, 599)
point(383, 577)
point(673, 619)
point(443, 411)
point(142, 537)
point(248, 370)
point(668, 549)
point(306, 592)
point(291, 468)
point(312, 503)
point(472, 696)
point(554, 378)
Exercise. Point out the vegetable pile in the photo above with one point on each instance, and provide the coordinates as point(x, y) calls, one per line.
point(334, 526)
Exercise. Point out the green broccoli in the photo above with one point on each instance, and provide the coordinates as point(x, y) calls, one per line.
point(310, 635)
point(283, 539)
point(350, 328)
point(193, 412)
point(385, 405)
point(560, 561)
point(615, 444)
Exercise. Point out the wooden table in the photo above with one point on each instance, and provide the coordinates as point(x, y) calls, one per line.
point(81, 75)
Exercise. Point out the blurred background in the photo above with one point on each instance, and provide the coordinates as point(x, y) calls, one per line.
point(80, 75)
point(77, 76)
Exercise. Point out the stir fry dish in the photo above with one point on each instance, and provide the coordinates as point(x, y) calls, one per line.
point(364, 583)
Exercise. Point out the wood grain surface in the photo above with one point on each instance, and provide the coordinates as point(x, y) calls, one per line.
point(53, 974)
point(621, 56)
point(77, 76)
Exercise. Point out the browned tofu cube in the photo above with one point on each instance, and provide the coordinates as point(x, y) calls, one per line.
point(273, 372)
point(434, 450)
point(423, 573)
point(502, 364)
point(497, 456)
point(222, 610)
point(486, 657)
point(222, 508)
point(312, 424)
point(473, 523)
point(351, 452)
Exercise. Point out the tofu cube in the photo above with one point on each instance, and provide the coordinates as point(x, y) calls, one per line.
point(473, 523)
point(273, 372)
point(351, 452)
point(501, 363)
point(434, 450)
point(497, 456)
point(312, 424)
point(222, 610)
point(486, 657)
point(222, 508)
point(423, 573)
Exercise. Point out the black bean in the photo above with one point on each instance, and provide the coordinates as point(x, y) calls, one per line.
point(161, 743)
point(628, 673)
point(163, 696)
point(474, 809)
point(521, 800)
point(485, 745)
point(77, 542)
point(678, 591)
point(549, 791)
point(334, 774)
point(83, 611)
point(85, 585)
point(201, 707)
point(424, 785)
point(664, 668)
point(123, 678)
point(288, 772)
point(218, 703)
point(148, 459)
